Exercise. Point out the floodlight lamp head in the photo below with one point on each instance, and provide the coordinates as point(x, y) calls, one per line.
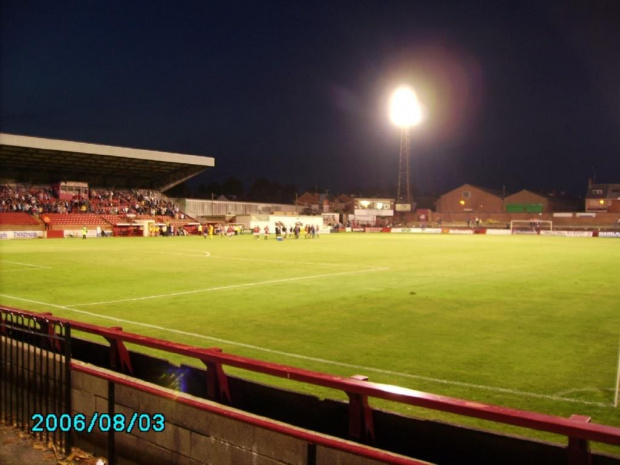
point(405, 110)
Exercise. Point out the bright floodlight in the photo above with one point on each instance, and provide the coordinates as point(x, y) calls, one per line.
point(405, 110)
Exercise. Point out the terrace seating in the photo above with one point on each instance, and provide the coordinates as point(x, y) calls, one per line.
point(74, 219)
point(114, 219)
point(147, 217)
point(20, 219)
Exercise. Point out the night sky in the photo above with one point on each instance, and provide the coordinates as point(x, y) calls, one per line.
point(521, 94)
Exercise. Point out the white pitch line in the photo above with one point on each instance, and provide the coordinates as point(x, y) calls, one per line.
point(573, 391)
point(357, 368)
point(14, 270)
point(225, 288)
point(28, 264)
point(199, 254)
point(260, 260)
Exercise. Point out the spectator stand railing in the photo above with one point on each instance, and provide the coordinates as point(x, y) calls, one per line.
point(577, 429)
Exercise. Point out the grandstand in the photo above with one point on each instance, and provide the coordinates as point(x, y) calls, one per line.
point(46, 161)
point(125, 184)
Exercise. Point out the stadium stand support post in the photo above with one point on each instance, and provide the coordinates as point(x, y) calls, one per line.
point(217, 381)
point(361, 426)
point(311, 454)
point(119, 355)
point(579, 449)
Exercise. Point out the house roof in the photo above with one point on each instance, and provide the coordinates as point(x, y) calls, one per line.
point(527, 191)
point(494, 192)
point(603, 191)
point(308, 198)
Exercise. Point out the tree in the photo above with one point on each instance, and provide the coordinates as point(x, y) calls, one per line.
point(180, 191)
point(213, 188)
point(264, 190)
point(289, 193)
point(233, 187)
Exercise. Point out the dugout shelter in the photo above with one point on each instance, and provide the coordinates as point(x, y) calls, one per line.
point(36, 160)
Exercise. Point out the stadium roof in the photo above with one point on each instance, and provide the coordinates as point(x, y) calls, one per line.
point(44, 161)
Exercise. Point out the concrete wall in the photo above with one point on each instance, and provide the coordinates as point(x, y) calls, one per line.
point(601, 220)
point(434, 441)
point(191, 435)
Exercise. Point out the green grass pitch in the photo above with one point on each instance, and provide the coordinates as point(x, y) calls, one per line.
point(525, 322)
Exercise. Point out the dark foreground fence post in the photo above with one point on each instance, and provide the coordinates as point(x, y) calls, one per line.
point(361, 425)
point(35, 376)
point(67, 386)
point(111, 412)
point(579, 449)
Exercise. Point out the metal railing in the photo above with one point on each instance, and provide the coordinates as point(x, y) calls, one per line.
point(577, 429)
point(35, 376)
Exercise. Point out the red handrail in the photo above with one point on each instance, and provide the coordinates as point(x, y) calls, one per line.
point(532, 420)
point(309, 436)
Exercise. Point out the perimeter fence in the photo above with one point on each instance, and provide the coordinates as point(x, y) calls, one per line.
point(35, 376)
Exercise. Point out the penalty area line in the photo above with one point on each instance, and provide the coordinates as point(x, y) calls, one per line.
point(357, 368)
point(29, 265)
point(14, 270)
point(195, 254)
point(203, 254)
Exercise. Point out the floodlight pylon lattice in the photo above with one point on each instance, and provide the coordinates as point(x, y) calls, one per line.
point(404, 193)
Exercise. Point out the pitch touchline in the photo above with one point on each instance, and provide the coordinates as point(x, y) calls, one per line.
point(358, 368)
point(232, 286)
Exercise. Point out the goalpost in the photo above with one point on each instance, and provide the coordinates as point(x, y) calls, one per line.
point(533, 225)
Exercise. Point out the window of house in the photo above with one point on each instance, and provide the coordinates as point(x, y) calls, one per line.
point(466, 194)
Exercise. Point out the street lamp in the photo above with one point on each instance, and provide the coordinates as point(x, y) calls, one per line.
point(405, 112)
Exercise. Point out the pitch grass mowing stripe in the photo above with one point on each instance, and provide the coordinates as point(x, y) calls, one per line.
point(232, 286)
point(321, 360)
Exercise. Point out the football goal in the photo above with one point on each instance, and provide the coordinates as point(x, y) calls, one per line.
point(534, 225)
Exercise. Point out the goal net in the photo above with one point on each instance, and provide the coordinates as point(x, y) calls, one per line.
point(533, 226)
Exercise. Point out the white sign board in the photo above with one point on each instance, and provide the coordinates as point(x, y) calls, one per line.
point(21, 234)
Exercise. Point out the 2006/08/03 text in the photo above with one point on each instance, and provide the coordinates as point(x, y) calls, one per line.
point(104, 422)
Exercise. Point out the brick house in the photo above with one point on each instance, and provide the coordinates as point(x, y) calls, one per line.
point(603, 198)
point(526, 201)
point(471, 199)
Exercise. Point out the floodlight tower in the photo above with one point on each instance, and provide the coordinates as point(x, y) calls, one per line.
point(404, 113)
